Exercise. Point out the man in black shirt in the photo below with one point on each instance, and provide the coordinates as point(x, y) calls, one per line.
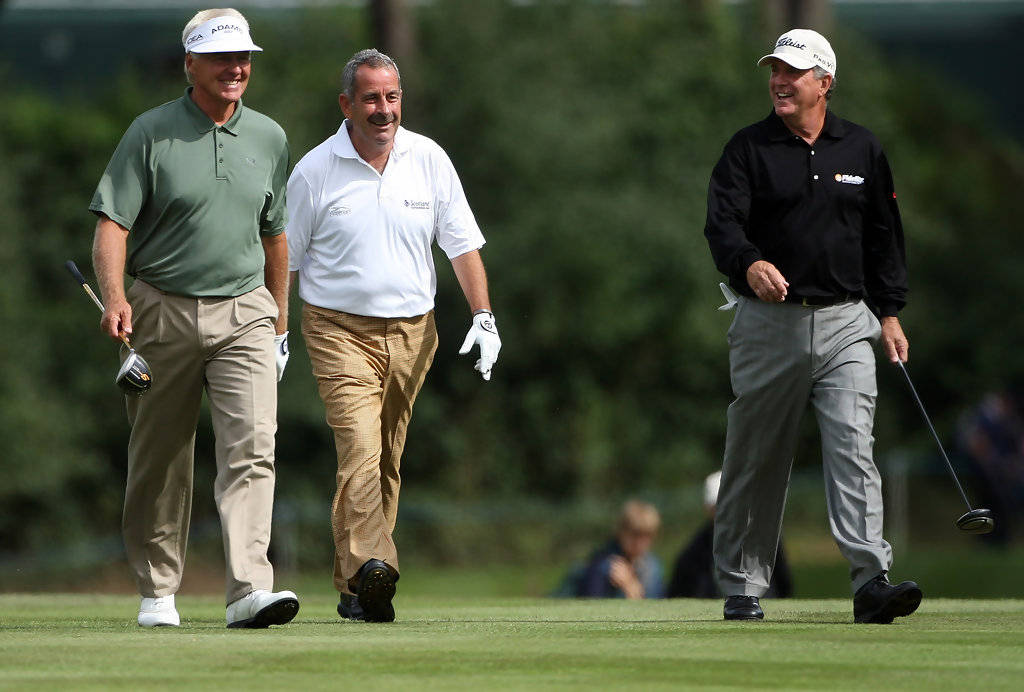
point(802, 218)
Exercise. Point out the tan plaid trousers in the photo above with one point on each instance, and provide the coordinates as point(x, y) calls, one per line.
point(369, 371)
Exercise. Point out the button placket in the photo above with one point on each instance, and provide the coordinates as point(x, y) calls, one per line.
point(218, 153)
point(383, 187)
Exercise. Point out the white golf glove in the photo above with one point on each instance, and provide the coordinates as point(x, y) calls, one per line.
point(484, 332)
point(281, 353)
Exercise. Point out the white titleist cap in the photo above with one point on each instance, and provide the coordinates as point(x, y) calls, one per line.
point(220, 35)
point(711, 484)
point(803, 49)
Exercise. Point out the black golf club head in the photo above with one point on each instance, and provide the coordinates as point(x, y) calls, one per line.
point(977, 521)
point(134, 377)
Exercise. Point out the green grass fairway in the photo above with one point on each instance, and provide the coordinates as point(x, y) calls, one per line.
point(71, 641)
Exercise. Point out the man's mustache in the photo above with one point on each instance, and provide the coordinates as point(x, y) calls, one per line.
point(379, 119)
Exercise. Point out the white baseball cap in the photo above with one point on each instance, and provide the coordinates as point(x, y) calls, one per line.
point(220, 35)
point(803, 49)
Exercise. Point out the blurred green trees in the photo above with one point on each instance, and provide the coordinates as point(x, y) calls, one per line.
point(584, 134)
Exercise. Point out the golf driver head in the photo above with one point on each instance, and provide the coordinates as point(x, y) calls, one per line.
point(134, 376)
point(977, 521)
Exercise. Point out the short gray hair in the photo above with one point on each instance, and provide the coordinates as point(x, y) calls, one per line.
point(819, 73)
point(205, 16)
point(371, 57)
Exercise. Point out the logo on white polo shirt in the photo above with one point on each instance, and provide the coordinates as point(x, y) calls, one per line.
point(416, 204)
point(339, 210)
point(849, 179)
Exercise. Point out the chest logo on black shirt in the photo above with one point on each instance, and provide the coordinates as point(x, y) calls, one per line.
point(849, 179)
point(416, 204)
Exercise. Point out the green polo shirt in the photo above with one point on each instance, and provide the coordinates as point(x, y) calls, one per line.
point(196, 197)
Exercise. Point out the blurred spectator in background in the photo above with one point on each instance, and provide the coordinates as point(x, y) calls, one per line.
point(694, 573)
point(625, 567)
point(991, 437)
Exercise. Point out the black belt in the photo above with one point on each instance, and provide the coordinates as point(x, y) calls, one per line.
point(819, 301)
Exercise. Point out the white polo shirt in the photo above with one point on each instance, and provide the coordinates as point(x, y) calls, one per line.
point(361, 240)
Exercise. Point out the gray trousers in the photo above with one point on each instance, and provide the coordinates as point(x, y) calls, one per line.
point(781, 357)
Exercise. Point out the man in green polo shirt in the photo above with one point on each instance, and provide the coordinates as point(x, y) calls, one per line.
point(192, 207)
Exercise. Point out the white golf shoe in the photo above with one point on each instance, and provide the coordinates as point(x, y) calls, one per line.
point(261, 608)
point(158, 612)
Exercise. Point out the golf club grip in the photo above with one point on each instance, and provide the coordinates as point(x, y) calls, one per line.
point(73, 268)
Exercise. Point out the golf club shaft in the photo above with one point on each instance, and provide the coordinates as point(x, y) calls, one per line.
point(95, 299)
point(73, 268)
point(927, 420)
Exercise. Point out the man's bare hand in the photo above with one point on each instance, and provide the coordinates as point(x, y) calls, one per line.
point(895, 342)
point(117, 319)
point(767, 282)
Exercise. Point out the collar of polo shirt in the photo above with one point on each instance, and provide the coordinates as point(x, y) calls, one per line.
point(202, 121)
point(343, 143)
point(833, 127)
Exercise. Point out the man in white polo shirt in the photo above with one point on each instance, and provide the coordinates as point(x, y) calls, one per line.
point(364, 208)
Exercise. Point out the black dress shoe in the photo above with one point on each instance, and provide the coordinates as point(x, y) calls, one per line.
point(879, 602)
point(376, 589)
point(349, 608)
point(743, 608)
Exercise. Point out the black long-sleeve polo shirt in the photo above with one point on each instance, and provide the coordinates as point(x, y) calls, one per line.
point(824, 214)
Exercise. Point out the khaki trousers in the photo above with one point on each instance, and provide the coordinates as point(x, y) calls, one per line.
point(225, 347)
point(369, 371)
